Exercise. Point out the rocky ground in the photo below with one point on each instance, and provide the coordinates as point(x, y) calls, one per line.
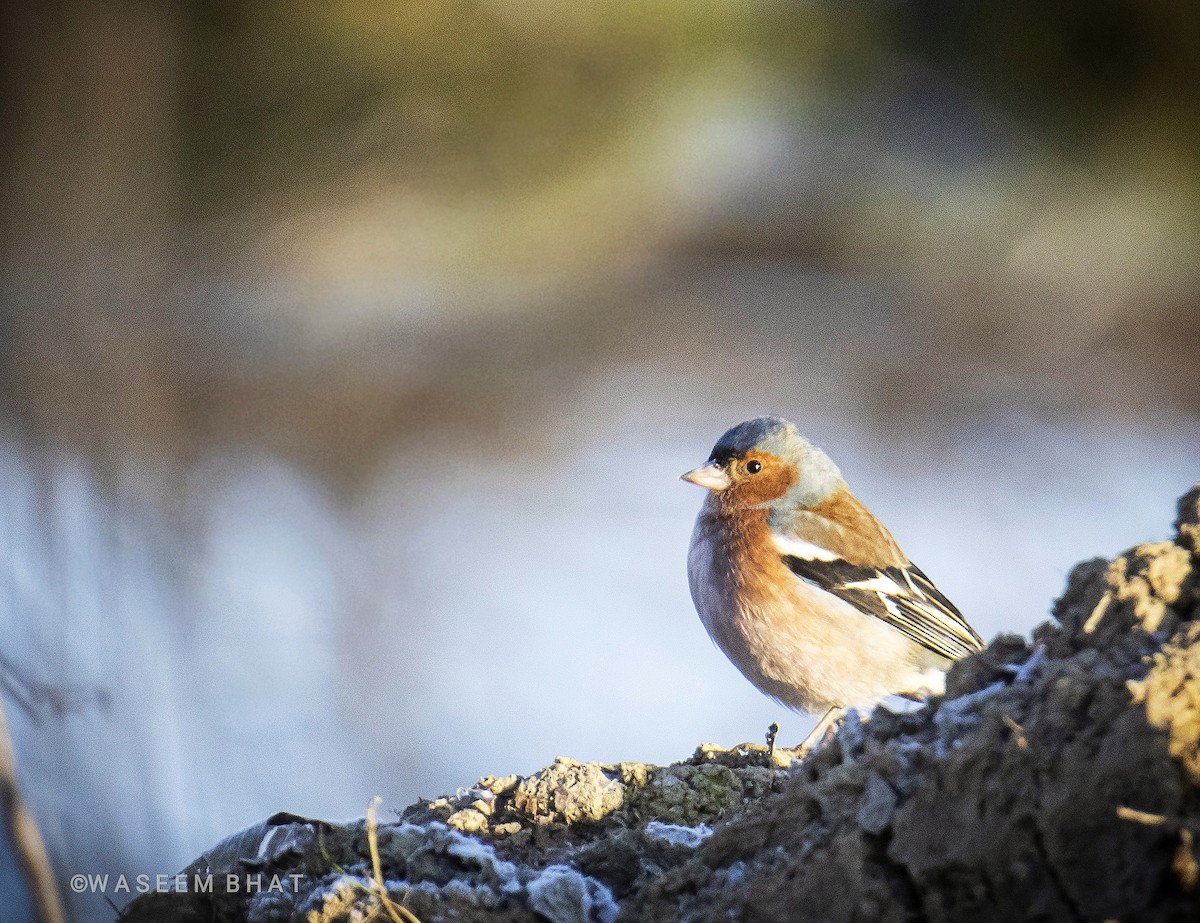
point(1057, 779)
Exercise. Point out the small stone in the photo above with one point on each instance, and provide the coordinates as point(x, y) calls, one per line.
point(757, 781)
point(568, 792)
point(634, 773)
point(468, 820)
point(498, 785)
point(878, 805)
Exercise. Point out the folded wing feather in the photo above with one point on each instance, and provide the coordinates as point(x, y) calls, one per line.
point(902, 596)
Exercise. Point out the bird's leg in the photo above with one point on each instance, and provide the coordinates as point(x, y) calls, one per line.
point(824, 729)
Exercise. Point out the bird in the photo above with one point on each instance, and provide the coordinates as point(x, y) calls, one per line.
point(804, 590)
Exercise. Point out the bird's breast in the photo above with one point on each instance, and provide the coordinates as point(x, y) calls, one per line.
point(733, 564)
point(794, 641)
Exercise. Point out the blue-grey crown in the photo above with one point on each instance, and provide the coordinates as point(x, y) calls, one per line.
point(818, 478)
point(768, 434)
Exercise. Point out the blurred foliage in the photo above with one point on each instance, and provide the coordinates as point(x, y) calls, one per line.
point(277, 191)
point(476, 94)
point(453, 92)
point(1082, 73)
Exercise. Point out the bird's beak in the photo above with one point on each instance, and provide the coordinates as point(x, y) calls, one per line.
point(711, 476)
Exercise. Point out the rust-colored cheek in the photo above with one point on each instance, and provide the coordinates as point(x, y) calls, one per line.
point(776, 478)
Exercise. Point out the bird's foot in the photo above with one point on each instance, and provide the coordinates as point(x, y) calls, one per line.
point(824, 730)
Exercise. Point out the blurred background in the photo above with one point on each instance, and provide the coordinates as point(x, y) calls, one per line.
point(351, 352)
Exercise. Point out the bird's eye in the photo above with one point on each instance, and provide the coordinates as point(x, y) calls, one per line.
point(753, 467)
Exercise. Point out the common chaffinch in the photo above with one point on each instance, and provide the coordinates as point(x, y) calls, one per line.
point(804, 589)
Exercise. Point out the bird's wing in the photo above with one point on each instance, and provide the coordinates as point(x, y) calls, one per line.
point(900, 595)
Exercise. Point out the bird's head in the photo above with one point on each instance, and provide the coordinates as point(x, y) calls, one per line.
point(765, 461)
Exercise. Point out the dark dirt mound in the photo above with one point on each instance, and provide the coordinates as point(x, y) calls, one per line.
point(1058, 779)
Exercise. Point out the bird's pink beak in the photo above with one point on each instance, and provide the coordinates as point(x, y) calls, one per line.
point(711, 476)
